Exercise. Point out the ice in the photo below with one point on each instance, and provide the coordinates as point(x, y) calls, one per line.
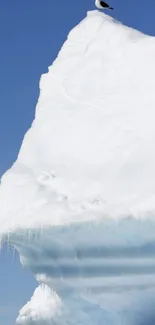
point(43, 306)
point(79, 202)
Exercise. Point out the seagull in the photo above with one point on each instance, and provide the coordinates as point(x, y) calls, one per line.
point(102, 5)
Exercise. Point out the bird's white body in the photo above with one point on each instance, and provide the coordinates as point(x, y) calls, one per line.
point(102, 5)
point(98, 5)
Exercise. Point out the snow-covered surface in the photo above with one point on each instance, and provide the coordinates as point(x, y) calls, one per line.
point(79, 202)
point(44, 305)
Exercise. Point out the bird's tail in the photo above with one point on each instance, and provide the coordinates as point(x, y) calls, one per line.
point(111, 8)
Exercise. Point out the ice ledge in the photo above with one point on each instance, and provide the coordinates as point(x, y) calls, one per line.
point(105, 17)
point(97, 13)
point(112, 21)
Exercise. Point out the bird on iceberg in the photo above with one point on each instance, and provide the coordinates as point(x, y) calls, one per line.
point(102, 5)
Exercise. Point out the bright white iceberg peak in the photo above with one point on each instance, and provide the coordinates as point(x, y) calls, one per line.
point(91, 144)
point(79, 203)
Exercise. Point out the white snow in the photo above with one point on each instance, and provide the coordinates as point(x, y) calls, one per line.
point(79, 202)
point(43, 306)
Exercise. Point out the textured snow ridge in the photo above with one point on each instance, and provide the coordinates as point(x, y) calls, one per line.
point(43, 306)
point(79, 202)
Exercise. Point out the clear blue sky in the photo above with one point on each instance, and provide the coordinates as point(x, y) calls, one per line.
point(31, 33)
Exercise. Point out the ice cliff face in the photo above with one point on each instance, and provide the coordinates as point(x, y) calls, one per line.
point(79, 203)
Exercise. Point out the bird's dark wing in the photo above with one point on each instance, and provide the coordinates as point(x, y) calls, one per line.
point(104, 4)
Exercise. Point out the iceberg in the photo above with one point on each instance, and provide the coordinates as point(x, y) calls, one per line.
point(79, 203)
